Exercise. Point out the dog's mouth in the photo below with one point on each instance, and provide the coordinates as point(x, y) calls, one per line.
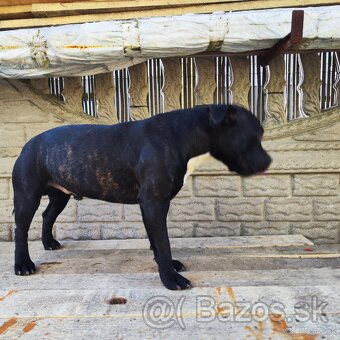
point(249, 172)
point(262, 173)
point(245, 169)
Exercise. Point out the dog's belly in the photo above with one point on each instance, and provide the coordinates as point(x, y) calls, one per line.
point(114, 195)
point(59, 187)
point(117, 189)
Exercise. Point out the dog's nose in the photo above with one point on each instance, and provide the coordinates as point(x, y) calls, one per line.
point(266, 164)
point(270, 160)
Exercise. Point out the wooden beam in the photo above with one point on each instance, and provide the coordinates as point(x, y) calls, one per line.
point(291, 40)
point(78, 8)
point(121, 10)
point(16, 12)
point(132, 3)
point(29, 2)
point(297, 27)
point(52, 8)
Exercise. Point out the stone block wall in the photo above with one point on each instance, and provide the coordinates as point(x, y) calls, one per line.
point(299, 195)
point(290, 204)
point(306, 204)
point(25, 112)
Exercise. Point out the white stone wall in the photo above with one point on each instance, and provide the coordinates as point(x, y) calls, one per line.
point(299, 195)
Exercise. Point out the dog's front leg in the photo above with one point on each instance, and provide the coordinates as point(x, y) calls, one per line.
point(154, 217)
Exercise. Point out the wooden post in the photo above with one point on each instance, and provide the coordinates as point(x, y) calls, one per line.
point(73, 93)
point(311, 84)
point(139, 91)
point(206, 85)
point(240, 86)
point(274, 93)
point(105, 92)
point(172, 83)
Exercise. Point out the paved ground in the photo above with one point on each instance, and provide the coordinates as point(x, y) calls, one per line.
point(270, 287)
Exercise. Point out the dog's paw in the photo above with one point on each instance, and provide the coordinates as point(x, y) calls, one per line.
point(174, 281)
point(179, 266)
point(24, 268)
point(52, 245)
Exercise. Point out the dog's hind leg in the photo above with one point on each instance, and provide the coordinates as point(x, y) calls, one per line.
point(25, 206)
point(58, 201)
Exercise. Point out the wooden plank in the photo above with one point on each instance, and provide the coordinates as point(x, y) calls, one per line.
point(94, 302)
point(177, 243)
point(69, 5)
point(197, 242)
point(132, 328)
point(191, 243)
point(105, 6)
point(141, 260)
point(28, 2)
point(58, 312)
point(74, 8)
point(200, 242)
point(127, 265)
point(70, 248)
point(67, 301)
point(150, 280)
point(16, 12)
point(166, 11)
point(232, 266)
point(296, 256)
point(137, 269)
point(122, 262)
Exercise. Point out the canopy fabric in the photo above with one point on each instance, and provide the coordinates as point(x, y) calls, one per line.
point(91, 48)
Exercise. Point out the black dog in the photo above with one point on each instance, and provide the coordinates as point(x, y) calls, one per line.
point(140, 162)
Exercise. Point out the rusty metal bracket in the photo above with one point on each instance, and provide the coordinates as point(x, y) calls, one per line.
point(291, 40)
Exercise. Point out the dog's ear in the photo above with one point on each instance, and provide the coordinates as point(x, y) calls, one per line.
point(231, 116)
point(218, 114)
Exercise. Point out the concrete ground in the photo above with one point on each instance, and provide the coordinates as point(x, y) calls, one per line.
point(260, 287)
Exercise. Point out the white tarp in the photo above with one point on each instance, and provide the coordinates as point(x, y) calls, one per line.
point(90, 48)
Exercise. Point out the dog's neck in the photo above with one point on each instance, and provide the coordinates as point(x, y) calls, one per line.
point(195, 132)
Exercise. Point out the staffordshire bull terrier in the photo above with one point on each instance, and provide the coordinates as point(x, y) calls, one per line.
point(141, 162)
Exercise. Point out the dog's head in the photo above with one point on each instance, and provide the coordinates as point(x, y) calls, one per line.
point(235, 136)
